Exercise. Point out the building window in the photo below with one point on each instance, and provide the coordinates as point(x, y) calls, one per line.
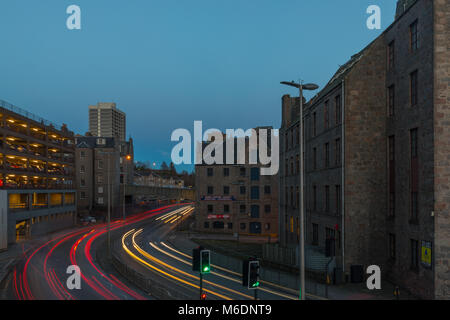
point(210, 172)
point(230, 225)
point(243, 226)
point(82, 183)
point(337, 110)
point(100, 190)
point(226, 172)
point(314, 198)
point(210, 190)
point(267, 208)
point(255, 211)
point(254, 193)
point(414, 206)
point(242, 172)
point(391, 159)
point(391, 204)
point(292, 225)
point(100, 164)
point(242, 189)
point(292, 166)
point(327, 198)
point(254, 174)
point(327, 154)
point(226, 208)
point(286, 168)
point(413, 88)
point(315, 235)
point(82, 195)
point(267, 226)
point(391, 55)
point(226, 190)
point(210, 208)
point(99, 179)
point(297, 164)
point(413, 143)
point(100, 200)
point(297, 197)
point(391, 101)
point(338, 200)
point(206, 225)
point(82, 154)
point(326, 116)
point(242, 208)
point(337, 152)
point(315, 158)
point(392, 246)
point(267, 190)
point(414, 254)
point(82, 169)
point(414, 41)
point(314, 129)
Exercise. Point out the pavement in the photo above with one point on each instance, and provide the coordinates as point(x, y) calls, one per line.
point(348, 291)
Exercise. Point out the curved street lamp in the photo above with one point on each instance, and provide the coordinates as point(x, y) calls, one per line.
point(301, 87)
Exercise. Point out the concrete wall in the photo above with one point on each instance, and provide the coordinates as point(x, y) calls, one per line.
point(3, 219)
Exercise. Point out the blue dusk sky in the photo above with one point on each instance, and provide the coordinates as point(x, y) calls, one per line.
point(167, 63)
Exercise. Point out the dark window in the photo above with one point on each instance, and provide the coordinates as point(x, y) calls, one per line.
point(218, 225)
point(210, 190)
point(338, 200)
point(242, 208)
point(255, 227)
point(243, 226)
point(226, 208)
point(391, 55)
point(327, 154)
point(337, 152)
point(392, 246)
point(391, 101)
point(210, 208)
point(326, 116)
point(267, 226)
point(226, 190)
point(297, 164)
point(315, 158)
point(255, 211)
point(314, 129)
point(414, 206)
point(414, 41)
point(414, 254)
point(210, 172)
point(297, 197)
point(314, 198)
point(315, 240)
point(337, 113)
point(242, 172)
point(286, 167)
point(226, 172)
point(413, 88)
point(242, 190)
point(413, 143)
point(206, 225)
point(267, 190)
point(292, 166)
point(327, 198)
point(230, 225)
point(254, 193)
point(391, 204)
point(254, 174)
point(267, 208)
point(391, 156)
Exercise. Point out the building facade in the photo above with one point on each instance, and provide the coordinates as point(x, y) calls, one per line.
point(103, 165)
point(375, 155)
point(106, 120)
point(37, 160)
point(236, 199)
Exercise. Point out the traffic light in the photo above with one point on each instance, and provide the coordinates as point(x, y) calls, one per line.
point(205, 261)
point(250, 274)
point(196, 259)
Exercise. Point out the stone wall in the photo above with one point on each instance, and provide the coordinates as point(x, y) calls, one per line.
point(442, 148)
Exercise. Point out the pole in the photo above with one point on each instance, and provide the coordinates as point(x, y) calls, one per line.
point(124, 194)
point(302, 226)
point(256, 294)
point(109, 206)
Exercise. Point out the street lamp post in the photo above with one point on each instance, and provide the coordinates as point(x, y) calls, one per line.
point(301, 87)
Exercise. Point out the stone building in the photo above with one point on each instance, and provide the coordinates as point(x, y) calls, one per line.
point(376, 155)
point(102, 163)
point(236, 199)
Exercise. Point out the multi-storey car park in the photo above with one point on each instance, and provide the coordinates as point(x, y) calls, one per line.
point(37, 193)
